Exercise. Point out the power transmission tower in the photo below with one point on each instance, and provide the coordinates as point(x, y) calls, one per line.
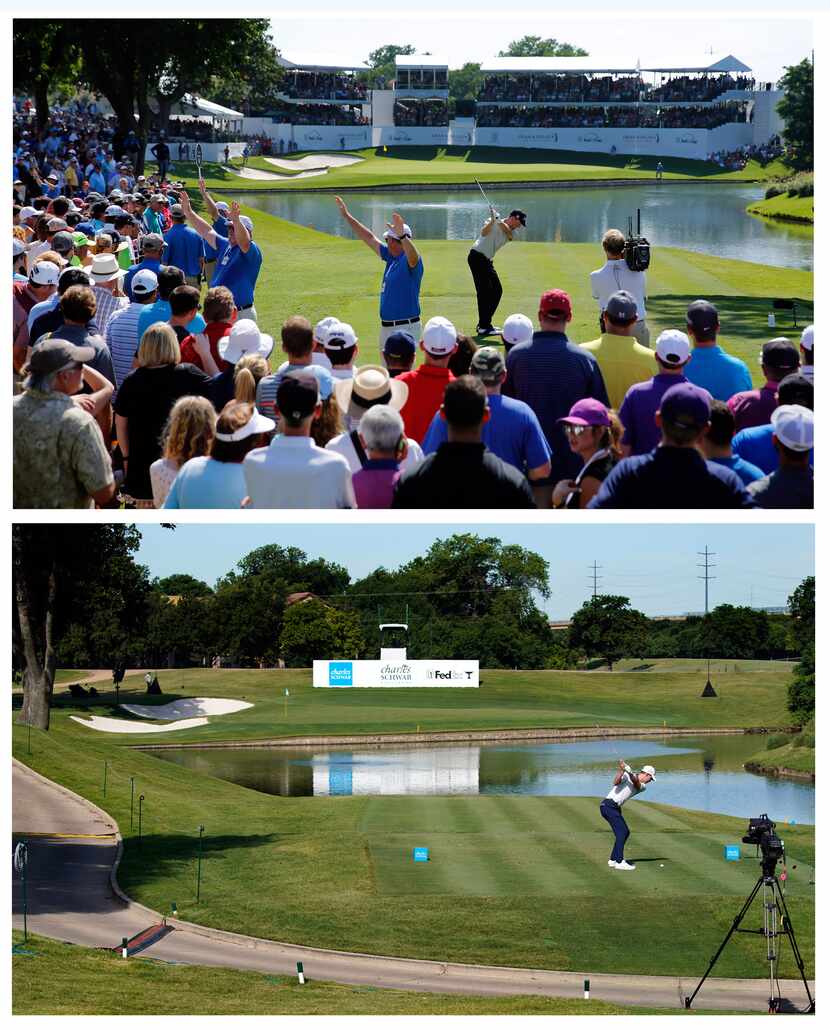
point(706, 565)
point(594, 569)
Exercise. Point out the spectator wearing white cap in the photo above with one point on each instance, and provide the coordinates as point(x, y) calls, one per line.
point(400, 291)
point(428, 382)
point(318, 350)
point(371, 385)
point(239, 260)
point(807, 353)
point(121, 334)
point(243, 338)
point(292, 471)
point(512, 432)
point(642, 400)
point(791, 485)
point(756, 444)
point(19, 261)
point(341, 347)
point(40, 286)
point(517, 329)
point(622, 360)
point(152, 247)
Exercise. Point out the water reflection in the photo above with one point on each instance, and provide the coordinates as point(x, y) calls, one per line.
point(706, 218)
point(704, 773)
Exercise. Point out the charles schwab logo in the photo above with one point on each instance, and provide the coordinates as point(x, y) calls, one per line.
point(390, 673)
point(340, 674)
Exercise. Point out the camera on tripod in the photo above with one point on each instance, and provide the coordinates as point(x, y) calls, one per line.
point(637, 251)
point(762, 834)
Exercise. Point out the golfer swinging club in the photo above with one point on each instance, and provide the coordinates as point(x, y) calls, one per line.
point(495, 232)
point(626, 784)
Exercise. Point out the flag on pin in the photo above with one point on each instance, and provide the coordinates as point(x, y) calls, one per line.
point(300, 973)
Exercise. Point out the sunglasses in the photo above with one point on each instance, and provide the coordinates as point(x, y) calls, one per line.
point(572, 430)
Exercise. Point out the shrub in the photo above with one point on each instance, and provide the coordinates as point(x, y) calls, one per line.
point(775, 740)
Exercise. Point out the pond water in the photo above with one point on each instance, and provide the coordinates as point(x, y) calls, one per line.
point(704, 773)
point(706, 218)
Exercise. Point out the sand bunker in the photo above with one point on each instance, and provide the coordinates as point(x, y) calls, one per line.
point(100, 722)
point(315, 161)
point(188, 707)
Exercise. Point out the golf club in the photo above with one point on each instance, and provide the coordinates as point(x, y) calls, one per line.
point(486, 199)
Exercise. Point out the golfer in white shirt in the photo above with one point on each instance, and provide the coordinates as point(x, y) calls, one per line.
point(615, 275)
point(626, 784)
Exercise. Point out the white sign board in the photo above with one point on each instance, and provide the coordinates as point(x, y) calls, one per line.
point(408, 673)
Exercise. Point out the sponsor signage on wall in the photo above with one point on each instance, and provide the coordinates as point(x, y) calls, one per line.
point(405, 673)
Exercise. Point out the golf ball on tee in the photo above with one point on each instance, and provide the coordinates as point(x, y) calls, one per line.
point(661, 865)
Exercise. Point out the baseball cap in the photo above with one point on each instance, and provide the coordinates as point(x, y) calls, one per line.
point(439, 337)
point(29, 212)
point(370, 385)
point(388, 234)
point(113, 211)
point(793, 426)
point(56, 224)
point(18, 247)
point(650, 770)
point(144, 281)
point(322, 328)
point(487, 364)
point(621, 306)
point(44, 273)
point(702, 317)
point(177, 211)
point(517, 329)
point(587, 412)
point(806, 336)
point(80, 239)
point(222, 206)
point(340, 336)
point(152, 241)
point(685, 406)
point(297, 395)
point(780, 354)
point(54, 355)
point(555, 302)
point(796, 389)
point(244, 338)
point(401, 346)
point(256, 424)
point(673, 347)
point(63, 242)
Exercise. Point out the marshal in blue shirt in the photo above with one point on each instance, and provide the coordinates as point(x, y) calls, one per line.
point(238, 270)
point(400, 291)
point(185, 248)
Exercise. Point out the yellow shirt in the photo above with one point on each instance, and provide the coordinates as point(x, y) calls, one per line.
point(623, 362)
point(71, 177)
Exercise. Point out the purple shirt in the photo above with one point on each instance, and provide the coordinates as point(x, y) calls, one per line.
point(374, 484)
point(753, 407)
point(637, 411)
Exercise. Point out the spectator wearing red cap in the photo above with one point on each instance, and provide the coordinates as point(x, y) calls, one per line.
point(550, 374)
point(779, 358)
point(593, 433)
point(428, 382)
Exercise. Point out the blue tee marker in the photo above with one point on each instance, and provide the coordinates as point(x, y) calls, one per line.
point(420, 854)
point(732, 853)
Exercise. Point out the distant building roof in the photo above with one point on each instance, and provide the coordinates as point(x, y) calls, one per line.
point(609, 65)
point(207, 107)
point(322, 63)
point(420, 61)
point(300, 598)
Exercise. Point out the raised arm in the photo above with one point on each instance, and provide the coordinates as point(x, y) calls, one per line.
point(203, 228)
point(243, 237)
point(358, 228)
point(209, 201)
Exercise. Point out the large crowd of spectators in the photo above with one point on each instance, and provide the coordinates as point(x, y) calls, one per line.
point(540, 116)
point(320, 114)
point(309, 85)
point(584, 88)
point(737, 159)
point(699, 87)
point(421, 112)
point(416, 78)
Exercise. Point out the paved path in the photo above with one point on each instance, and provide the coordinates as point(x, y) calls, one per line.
point(72, 898)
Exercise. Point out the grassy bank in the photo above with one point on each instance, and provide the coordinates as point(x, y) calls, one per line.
point(56, 979)
point(312, 273)
point(784, 756)
point(785, 208)
point(452, 165)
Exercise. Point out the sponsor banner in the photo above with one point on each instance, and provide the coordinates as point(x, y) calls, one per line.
point(415, 136)
point(328, 137)
point(395, 673)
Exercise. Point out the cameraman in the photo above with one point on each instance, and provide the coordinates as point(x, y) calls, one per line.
point(626, 784)
point(615, 275)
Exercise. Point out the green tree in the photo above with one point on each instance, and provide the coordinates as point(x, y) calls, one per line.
point(735, 631)
point(382, 60)
point(535, 46)
point(802, 607)
point(802, 691)
point(465, 82)
point(181, 584)
point(608, 627)
point(796, 108)
point(45, 56)
point(313, 629)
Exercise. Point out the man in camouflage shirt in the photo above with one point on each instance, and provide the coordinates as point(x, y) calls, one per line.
point(60, 460)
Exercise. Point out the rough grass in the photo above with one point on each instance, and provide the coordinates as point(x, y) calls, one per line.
point(312, 273)
point(785, 208)
point(57, 979)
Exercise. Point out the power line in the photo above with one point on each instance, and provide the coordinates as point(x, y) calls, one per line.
point(706, 554)
point(594, 577)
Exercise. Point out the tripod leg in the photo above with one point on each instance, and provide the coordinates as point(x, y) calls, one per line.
point(790, 932)
point(735, 924)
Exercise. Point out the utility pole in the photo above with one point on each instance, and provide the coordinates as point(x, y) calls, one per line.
point(594, 569)
point(706, 565)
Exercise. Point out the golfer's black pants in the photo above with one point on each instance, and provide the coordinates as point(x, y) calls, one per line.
point(612, 814)
point(488, 287)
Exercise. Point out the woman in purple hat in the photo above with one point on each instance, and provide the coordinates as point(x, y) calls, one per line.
point(594, 433)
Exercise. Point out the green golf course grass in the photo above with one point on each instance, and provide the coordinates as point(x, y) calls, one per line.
point(511, 880)
point(785, 208)
point(314, 274)
point(452, 165)
point(57, 979)
point(750, 694)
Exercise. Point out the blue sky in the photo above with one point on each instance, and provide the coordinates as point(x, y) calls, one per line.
point(654, 565)
point(467, 30)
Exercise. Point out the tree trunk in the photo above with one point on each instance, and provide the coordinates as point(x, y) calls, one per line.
point(165, 107)
point(42, 102)
point(36, 617)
